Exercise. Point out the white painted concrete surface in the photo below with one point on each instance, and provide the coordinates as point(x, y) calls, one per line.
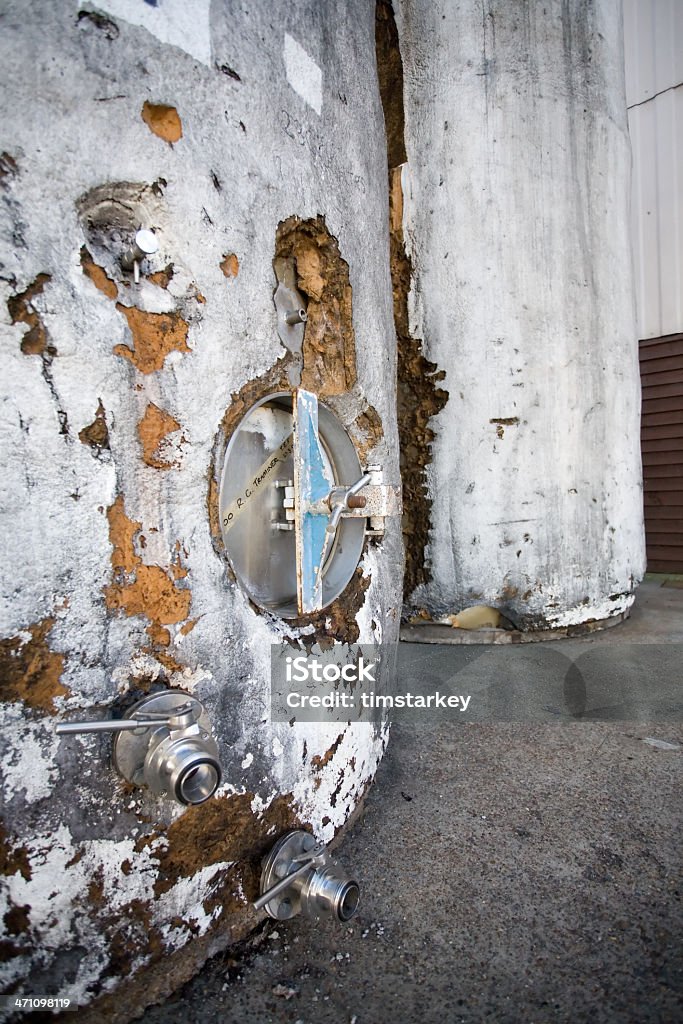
point(517, 221)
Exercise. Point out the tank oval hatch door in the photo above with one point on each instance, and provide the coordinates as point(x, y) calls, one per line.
point(295, 504)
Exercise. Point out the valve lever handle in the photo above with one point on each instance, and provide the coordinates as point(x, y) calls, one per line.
point(138, 720)
point(110, 725)
point(306, 861)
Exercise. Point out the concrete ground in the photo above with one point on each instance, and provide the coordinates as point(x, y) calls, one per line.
point(510, 872)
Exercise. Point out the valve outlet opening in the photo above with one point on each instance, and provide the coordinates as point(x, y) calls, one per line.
point(198, 783)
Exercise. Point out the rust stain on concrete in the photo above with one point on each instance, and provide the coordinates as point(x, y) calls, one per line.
point(162, 120)
point(329, 347)
point(140, 589)
point(96, 434)
point(97, 275)
point(21, 310)
point(153, 428)
point(13, 860)
point(30, 671)
point(162, 278)
point(154, 336)
point(318, 762)
point(230, 265)
point(221, 829)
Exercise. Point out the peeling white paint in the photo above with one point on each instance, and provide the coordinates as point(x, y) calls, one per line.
point(173, 22)
point(516, 201)
point(303, 74)
point(30, 767)
point(260, 804)
point(185, 899)
point(277, 747)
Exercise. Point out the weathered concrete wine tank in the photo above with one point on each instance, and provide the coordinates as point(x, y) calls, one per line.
point(165, 181)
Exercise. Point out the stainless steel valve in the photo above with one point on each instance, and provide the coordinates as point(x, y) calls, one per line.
point(300, 876)
point(164, 741)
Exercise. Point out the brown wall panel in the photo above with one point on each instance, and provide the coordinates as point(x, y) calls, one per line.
point(661, 367)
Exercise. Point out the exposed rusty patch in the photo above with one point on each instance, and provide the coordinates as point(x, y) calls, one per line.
point(140, 589)
point(502, 423)
point(221, 829)
point(162, 278)
point(96, 888)
point(318, 762)
point(76, 859)
point(21, 310)
point(151, 593)
point(162, 120)
point(17, 920)
point(30, 671)
point(329, 348)
point(13, 860)
point(96, 434)
point(366, 432)
point(97, 275)
point(158, 634)
point(230, 265)
point(153, 428)
point(418, 396)
point(8, 167)
point(170, 663)
point(154, 336)
point(418, 400)
point(122, 531)
point(188, 627)
point(129, 935)
point(338, 620)
point(178, 570)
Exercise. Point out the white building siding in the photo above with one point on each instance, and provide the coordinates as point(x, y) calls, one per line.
point(653, 37)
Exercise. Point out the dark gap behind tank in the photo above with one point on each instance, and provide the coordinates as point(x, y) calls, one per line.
point(419, 397)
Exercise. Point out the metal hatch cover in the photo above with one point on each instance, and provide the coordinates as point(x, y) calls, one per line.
point(260, 515)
